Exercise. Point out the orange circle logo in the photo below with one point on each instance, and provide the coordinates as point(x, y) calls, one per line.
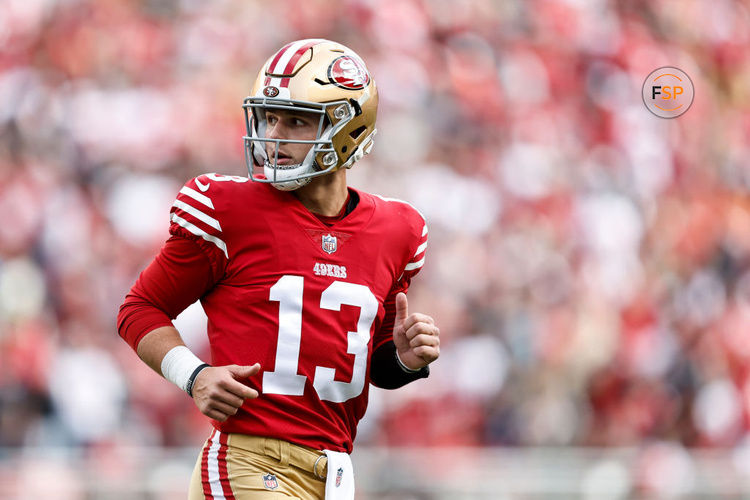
point(668, 92)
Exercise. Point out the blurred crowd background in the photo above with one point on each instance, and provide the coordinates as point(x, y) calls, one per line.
point(589, 263)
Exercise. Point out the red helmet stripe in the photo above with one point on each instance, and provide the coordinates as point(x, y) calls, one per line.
point(284, 61)
point(293, 61)
point(278, 56)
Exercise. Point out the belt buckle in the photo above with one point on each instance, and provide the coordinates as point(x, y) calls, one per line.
point(315, 468)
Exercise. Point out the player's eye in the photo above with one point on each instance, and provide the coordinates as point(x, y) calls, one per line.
point(299, 121)
point(271, 118)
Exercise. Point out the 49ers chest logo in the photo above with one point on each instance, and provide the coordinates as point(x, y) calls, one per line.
point(348, 73)
point(333, 270)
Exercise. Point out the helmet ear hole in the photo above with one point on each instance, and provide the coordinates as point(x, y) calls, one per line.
point(354, 134)
point(343, 150)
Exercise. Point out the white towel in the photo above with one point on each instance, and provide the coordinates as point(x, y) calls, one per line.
point(340, 479)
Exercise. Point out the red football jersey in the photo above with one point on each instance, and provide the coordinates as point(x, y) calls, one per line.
point(303, 299)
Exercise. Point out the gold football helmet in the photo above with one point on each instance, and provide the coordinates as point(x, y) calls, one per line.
point(316, 76)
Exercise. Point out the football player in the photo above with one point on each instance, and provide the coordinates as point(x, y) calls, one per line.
point(303, 280)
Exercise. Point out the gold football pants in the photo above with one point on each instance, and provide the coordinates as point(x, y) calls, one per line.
point(238, 466)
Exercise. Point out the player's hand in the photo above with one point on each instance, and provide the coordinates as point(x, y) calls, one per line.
point(416, 336)
point(219, 391)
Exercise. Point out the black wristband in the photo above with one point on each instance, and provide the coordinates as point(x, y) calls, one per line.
point(191, 380)
point(386, 372)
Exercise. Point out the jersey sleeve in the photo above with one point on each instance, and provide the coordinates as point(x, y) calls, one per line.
point(195, 215)
point(189, 264)
point(412, 266)
point(178, 276)
point(415, 263)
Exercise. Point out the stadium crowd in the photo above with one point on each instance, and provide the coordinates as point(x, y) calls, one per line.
point(589, 263)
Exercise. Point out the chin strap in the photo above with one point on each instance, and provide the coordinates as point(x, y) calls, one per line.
point(284, 184)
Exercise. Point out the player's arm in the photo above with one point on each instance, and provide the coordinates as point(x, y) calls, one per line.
point(217, 391)
point(177, 277)
point(406, 343)
point(416, 337)
point(388, 369)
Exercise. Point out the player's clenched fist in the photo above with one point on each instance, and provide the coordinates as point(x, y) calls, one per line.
point(416, 336)
point(218, 391)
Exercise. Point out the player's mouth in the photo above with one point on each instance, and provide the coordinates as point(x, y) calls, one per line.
point(281, 159)
point(284, 159)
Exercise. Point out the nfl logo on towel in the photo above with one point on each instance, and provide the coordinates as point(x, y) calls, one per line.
point(329, 243)
point(339, 475)
point(270, 482)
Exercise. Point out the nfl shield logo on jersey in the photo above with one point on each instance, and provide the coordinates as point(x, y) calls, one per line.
point(329, 243)
point(270, 482)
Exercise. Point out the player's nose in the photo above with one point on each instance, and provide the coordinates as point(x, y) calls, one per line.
point(271, 148)
point(272, 132)
point(275, 131)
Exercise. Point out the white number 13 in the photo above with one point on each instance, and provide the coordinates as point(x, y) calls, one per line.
point(285, 379)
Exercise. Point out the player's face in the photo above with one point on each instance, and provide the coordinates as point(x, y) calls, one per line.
point(288, 124)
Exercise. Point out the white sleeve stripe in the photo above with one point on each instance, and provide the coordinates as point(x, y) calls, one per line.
point(414, 265)
point(197, 214)
point(420, 248)
point(405, 203)
point(424, 230)
point(197, 196)
point(200, 232)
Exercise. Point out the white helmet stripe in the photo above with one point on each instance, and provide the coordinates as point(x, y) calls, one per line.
point(295, 49)
point(278, 54)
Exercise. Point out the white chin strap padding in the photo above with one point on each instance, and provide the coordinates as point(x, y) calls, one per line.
point(286, 179)
point(259, 153)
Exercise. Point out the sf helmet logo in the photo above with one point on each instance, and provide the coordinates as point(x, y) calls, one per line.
point(349, 73)
point(668, 92)
point(270, 91)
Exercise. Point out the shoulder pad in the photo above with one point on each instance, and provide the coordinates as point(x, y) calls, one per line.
point(417, 226)
point(195, 208)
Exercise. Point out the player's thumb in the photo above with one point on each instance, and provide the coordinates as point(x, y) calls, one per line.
point(402, 307)
point(240, 372)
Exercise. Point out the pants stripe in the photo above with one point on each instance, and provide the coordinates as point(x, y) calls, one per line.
point(204, 468)
point(214, 481)
point(223, 472)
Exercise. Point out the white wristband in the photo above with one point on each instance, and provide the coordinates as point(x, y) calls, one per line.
point(403, 366)
point(178, 364)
